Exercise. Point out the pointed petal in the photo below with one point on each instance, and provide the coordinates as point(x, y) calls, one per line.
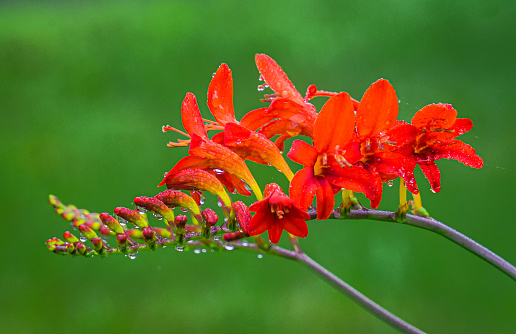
point(191, 117)
point(400, 134)
point(433, 175)
point(303, 187)
point(277, 79)
point(457, 150)
point(393, 165)
point(295, 225)
point(436, 116)
point(354, 178)
point(220, 95)
point(233, 183)
point(325, 198)
point(275, 232)
point(302, 153)
point(261, 221)
point(255, 119)
point(335, 123)
point(378, 109)
point(251, 144)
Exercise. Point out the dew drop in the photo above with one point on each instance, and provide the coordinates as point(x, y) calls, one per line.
point(184, 209)
point(218, 170)
point(122, 222)
point(142, 210)
point(390, 183)
point(83, 239)
point(260, 256)
point(433, 191)
point(245, 244)
point(260, 88)
point(247, 187)
point(197, 251)
point(180, 248)
point(132, 256)
point(158, 216)
point(216, 238)
point(204, 250)
point(229, 247)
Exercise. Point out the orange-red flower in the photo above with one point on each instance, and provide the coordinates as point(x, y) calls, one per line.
point(207, 154)
point(289, 114)
point(438, 126)
point(328, 163)
point(382, 137)
point(277, 212)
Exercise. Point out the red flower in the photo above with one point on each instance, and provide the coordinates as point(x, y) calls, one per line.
point(207, 154)
point(382, 137)
point(328, 163)
point(277, 212)
point(289, 114)
point(438, 126)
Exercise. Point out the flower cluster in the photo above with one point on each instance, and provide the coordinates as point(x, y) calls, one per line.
point(349, 145)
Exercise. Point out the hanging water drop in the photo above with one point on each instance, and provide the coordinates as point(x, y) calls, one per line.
point(260, 88)
point(260, 256)
point(432, 190)
point(83, 239)
point(204, 250)
point(157, 215)
point(180, 248)
point(247, 187)
point(390, 183)
point(229, 247)
point(218, 170)
point(216, 238)
point(184, 209)
point(197, 251)
point(132, 256)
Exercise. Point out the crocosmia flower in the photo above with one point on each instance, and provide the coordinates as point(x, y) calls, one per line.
point(275, 213)
point(328, 163)
point(381, 137)
point(438, 126)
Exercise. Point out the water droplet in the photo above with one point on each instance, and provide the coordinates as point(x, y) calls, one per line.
point(83, 239)
point(247, 187)
point(132, 256)
point(190, 242)
point(202, 200)
point(216, 238)
point(218, 170)
point(122, 222)
point(390, 183)
point(260, 78)
point(204, 250)
point(141, 210)
point(432, 190)
point(157, 215)
point(213, 74)
point(260, 256)
point(226, 219)
point(219, 203)
point(184, 209)
point(245, 244)
point(229, 247)
point(260, 88)
point(212, 250)
point(197, 251)
point(180, 248)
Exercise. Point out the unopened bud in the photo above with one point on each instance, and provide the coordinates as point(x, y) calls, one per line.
point(233, 236)
point(177, 198)
point(87, 231)
point(132, 216)
point(121, 240)
point(98, 245)
point(135, 234)
point(112, 223)
point(243, 216)
point(69, 237)
point(155, 205)
point(80, 248)
point(149, 237)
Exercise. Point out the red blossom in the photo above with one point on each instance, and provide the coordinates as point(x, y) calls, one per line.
point(275, 213)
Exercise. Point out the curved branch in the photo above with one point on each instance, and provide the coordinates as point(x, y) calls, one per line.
point(438, 227)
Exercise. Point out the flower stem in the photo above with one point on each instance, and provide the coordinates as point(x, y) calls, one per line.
point(438, 227)
point(357, 297)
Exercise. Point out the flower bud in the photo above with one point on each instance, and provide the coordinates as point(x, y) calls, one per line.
point(149, 237)
point(177, 198)
point(121, 240)
point(155, 205)
point(209, 218)
point(243, 216)
point(233, 236)
point(69, 237)
point(162, 232)
point(80, 248)
point(98, 246)
point(134, 233)
point(112, 223)
point(132, 216)
point(87, 231)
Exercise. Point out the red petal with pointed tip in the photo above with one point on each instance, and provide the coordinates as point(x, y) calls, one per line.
point(186, 162)
point(459, 151)
point(191, 117)
point(325, 198)
point(433, 175)
point(275, 232)
point(262, 220)
point(435, 115)
point(335, 123)
point(394, 165)
point(220, 95)
point(303, 187)
point(302, 153)
point(378, 109)
point(277, 80)
point(354, 178)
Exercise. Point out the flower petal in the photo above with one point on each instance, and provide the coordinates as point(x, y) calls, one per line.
point(303, 187)
point(277, 79)
point(433, 175)
point(325, 198)
point(261, 220)
point(354, 178)
point(393, 165)
point(275, 231)
point(186, 162)
point(302, 153)
point(294, 224)
point(457, 150)
point(220, 95)
point(378, 109)
point(436, 116)
point(191, 117)
point(335, 123)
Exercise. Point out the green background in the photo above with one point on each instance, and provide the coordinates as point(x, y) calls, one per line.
point(85, 88)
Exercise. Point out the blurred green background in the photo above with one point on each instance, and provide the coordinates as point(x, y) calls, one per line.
point(85, 87)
